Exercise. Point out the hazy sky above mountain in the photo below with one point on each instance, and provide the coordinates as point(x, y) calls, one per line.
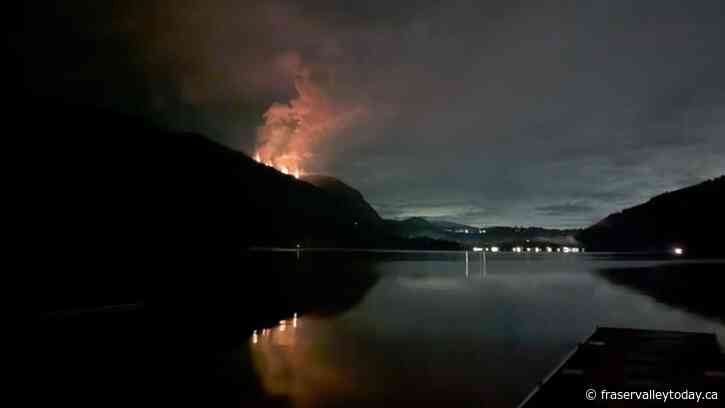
point(486, 112)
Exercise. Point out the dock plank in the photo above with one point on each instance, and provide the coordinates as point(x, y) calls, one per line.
point(632, 360)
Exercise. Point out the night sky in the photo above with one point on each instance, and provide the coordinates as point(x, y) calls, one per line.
point(549, 113)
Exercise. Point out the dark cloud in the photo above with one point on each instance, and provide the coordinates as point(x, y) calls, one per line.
point(480, 112)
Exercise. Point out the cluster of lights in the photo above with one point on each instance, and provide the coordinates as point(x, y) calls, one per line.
point(466, 230)
point(567, 250)
point(519, 249)
point(486, 249)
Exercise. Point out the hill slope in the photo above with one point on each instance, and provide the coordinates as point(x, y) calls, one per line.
point(350, 200)
point(691, 217)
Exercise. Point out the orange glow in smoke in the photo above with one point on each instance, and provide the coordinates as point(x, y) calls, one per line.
point(292, 132)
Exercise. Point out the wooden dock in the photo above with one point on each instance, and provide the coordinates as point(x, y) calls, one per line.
point(641, 362)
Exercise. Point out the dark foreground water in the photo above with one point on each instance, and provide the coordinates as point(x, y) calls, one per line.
point(429, 329)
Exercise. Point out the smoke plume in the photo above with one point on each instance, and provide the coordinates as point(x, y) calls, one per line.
point(292, 131)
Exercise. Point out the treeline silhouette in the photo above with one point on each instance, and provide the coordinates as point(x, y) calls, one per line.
point(692, 218)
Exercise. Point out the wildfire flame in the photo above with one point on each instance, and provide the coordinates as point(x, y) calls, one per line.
point(296, 172)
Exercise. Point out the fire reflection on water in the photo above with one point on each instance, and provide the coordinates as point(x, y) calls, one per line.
point(290, 362)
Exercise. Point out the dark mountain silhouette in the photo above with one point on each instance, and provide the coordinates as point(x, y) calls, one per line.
point(415, 227)
point(260, 206)
point(449, 224)
point(263, 207)
point(691, 218)
point(350, 200)
point(113, 192)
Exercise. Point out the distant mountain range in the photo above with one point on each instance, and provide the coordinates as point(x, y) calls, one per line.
point(692, 218)
point(471, 235)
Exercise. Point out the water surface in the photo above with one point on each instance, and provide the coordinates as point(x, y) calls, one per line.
point(433, 329)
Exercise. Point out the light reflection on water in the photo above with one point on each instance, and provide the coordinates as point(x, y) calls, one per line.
point(292, 361)
point(434, 331)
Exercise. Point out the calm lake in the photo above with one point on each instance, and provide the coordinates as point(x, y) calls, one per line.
point(430, 328)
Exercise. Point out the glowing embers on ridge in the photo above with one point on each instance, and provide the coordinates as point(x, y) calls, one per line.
point(293, 171)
